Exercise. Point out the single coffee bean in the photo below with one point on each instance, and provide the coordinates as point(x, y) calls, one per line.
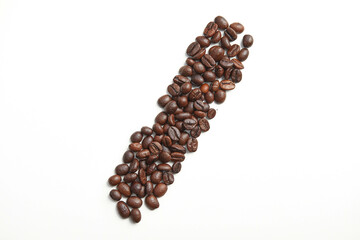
point(192, 144)
point(193, 48)
point(149, 187)
point(203, 41)
point(166, 129)
point(189, 108)
point(226, 63)
point(227, 85)
point(209, 97)
point(219, 71)
point(130, 177)
point(155, 148)
point(122, 169)
point(164, 157)
point(128, 157)
point(247, 41)
point(134, 202)
point(186, 88)
point(166, 141)
point(160, 190)
point(161, 118)
point(146, 142)
point(163, 100)
point(174, 89)
point(176, 167)
point(156, 177)
point(135, 147)
point(124, 189)
point(143, 154)
point(179, 80)
point(215, 86)
point(135, 187)
point(114, 180)
point(238, 27)
point(199, 67)
point(216, 37)
point(195, 132)
point(170, 107)
point(197, 80)
point(135, 215)
point(204, 88)
point(168, 178)
point(221, 22)
point(171, 119)
point(182, 101)
point(152, 202)
point(243, 54)
point(146, 131)
point(217, 53)
point(142, 176)
point(237, 63)
point(200, 114)
point(236, 75)
point(183, 116)
point(200, 54)
point(143, 164)
point(199, 105)
point(158, 128)
point(183, 138)
point(123, 209)
point(189, 123)
point(134, 165)
point(204, 125)
point(208, 61)
point(195, 94)
point(228, 72)
point(230, 34)
point(115, 195)
point(150, 169)
point(190, 61)
point(136, 137)
point(164, 167)
point(234, 50)
point(225, 43)
point(174, 133)
point(177, 157)
point(209, 76)
point(152, 159)
point(177, 148)
point(186, 71)
point(220, 96)
point(210, 29)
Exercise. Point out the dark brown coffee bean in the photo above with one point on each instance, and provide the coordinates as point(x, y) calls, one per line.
point(179, 80)
point(192, 144)
point(166, 128)
point(234, 50)
point(230, 34)
point(161, 118)
point(177, 148)
point(190, 61)
point(183, 138)
point(163, 100)
point(124, 189)
point(209, 76)
point(136, 137)
point(130, 177)
point(237, 64)
point(195, 132)
point(114, 180)
point(203, 41)
point(134, 202)
point(152, 159)
point(199, 67)
point(221, 22)
point(227, 85)
point(134, 165)
point(195, 94)
point(115, 195)
point(149, 187)
point(236, 75)
point(209, 97)
point(155, 148)
point(226, 63)
point(199, 105)
point(156, 177)
point(247, 41)
point(174, 133)
point(142, 176)
point(164, 167)
point(197, 80)
point(220, 96)
point(122, 169)
point(243, 54)
point(146, 142)
point(123, 209)
point(170, 107)
point(152, 202)
point(135, 187)
point(146, 131)
point(143, 164)
point(135, 215)
point(210, 29)
point(228, 72)
point(174, 89)
point(135, 147)
point(128, 156)
point(200, 114)
point(176, 167)
point(216, 37)
point(186, 88)
point(204, 125)
point(177, 157)
point(150, 169)
point(217, 53)
point(189, 108)
point(189, 123)
point(158, 128)
point(168, 178)
point(166, 141)
point(200, 54)
point(219, 71)
point(164, 157)
point(166, 149)
point(186, 71)
point(238, 27)
point(143, 154)
point(142, 193)
point(225, 43)
point(215, 86)
point(204, 88)
point(171, 120)
point(208, 61)
point(183, 116)
point(182, 101)
point(193, 48)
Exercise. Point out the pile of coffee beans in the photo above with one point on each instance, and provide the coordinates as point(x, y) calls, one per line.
point(156, 153)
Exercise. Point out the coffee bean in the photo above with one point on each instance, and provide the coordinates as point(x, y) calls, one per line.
point(200, 54)
point(189, 108)
point(146, 131)
point(209, 76)
point(156, 177)
point(183, 116)
point(170, 107)
point(146, 141)
point(209, 97)
point(149, 187)
point(233, 50)
point(243, 54)
point(143, 154)
point(122, 169)
point(190, 61)
point(164, 167)
point(166, 128)
point(204, 88)
point(163, 100)
point(174, 133)
point(135, 187)
point(124, 189)
point(238, 27)
point(210, 29)
point(177, 148)
point(183, 138)
point(226, 63)
point(247, 41)
point(174, 89)
point(166, 141)
point(220, 96)
point(215, 86)
point(164, 157)
point(155, 148)
point(219, 71)
point(199, 105)
point(208, 61)
point(225, 43)
point(221, 22)
point(134, 165)
point(237, 64)
point(182, 101)
point(199, 67)
point(217, 53)
point(152, 202)
point(136, 137)
point(135, 215)
point(193, 48)
point(195, 94)
point(197, 80)
point(204, 125)
point(130, 177)
point(135, 147)
point(160, 190)
point(177, 157)
point(128, 156)
point(143, 164)
point(176, 167)
point(115, 195)
point(236, 75)
point(186, 71)
point(227, 85)
point(161, 118)
point(186, 88)
point(168, 178)
point(195, 132)
point(216, 37)
point(203, 41)
point(189, 123)
point(192, 144)
point(150, 169)
point(230, 34)
point(179, 80)
point(123, 209)
point(142, 176)
point(158, 128)
point(228, 72)
point(171, 119)
point(134, 202)
point(200, 114)
point(114, 180)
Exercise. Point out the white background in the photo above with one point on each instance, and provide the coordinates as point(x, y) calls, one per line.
point(281, 160)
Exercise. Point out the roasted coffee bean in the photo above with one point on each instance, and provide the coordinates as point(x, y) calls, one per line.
point(199, 105)
point(192, 144)
point(197, 80)
point(177, 157)
point(134, 202)
point(210, 29)
point(247, 41)
point(135, 147)
point(238, 27)
point(166, 149)
point(193, 48)
point(209, 97)
point(143, 164)
point(164, 157)
point(166, 128)
point(208, 61)
point(130, 177)
point(182, 101)
point(124, 189)
point(161, 118)
point(215, 86)
point(152, 202)
point(183, 138)
point(204, 88)
point(156, 177)
point(149, 187)
point(166, 141)
point(183, 116)
point(220, 96)
point(186, 88)
point(186, 71)
point(136, 137)
point(228, 72)
point(234, 50)
point(174, 133)
point(115, 195)
point(227, 85)
point(135, 187)
point(177, 148)
point(189, 108)
point(174, 89)
point(128, 156)
point(135, 215)
point(204, 125)
point(142, 176)
point(168, 178)
point(219, 71)
point(243, 54)
point(134, 165)
point(190, 61)
point(160, 190)
point(221, 22)
point(158, 128)
point(209, 76)
point(203, 41)
point(170, 107)
point(142, 193)
point(200, 114)
point(189, 123)
point(217, 53)
point(199, 67)
point(163, 100)
point(146, 142)
point(216, 37)
point(195, 132)
point(226, 63)
point(236, 75)
point(195, 94)
point(150, 169)
point(143, 154)
point(146, 131)
point(122, 169)
point(225, 43)
point(200, 54)
point(176, 167)
point(123, 209)
point(151, 159)
point(155, 148)
point(114, 180)
point(230, 34)
point(179, 80)
point(237, 64)
point(164, 167)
